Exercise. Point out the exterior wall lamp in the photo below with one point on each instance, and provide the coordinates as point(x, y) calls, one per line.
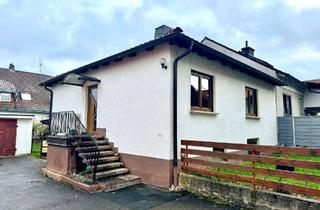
point(163, 63)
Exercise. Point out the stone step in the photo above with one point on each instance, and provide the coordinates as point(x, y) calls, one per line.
point(108, 166)
point(94, 154)
point(119, 182)
point(93, 148)
point(97, 137)
point(88, 143)
point(103, 159)
point(110, 173)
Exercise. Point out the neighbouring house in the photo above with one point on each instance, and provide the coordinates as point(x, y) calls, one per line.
point(312, 97)
point(22, 102)
point(298, 112)
point(173, 87)
point(290, 98)
point(297, 98)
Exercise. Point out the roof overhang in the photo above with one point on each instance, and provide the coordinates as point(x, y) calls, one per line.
point(313, 85)
point(16, 116)
point(180, 40)
point(286, 78)
point(79, 80)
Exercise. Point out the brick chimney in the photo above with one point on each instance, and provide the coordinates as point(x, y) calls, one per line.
point(165, 30)
point(248, 50)
point(11, 67)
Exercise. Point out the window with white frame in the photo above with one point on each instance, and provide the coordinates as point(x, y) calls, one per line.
point(5, 97)
point(26, 97)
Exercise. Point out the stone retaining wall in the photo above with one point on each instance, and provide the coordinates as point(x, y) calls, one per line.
point(244, 196)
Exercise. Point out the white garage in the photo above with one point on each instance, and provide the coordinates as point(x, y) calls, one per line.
point(15, 134)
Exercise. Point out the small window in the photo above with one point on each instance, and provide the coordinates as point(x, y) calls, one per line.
point(253, 141)
point(201, 92)
point(251, 102)
point(287, 107)
point(215, 149)
point(5, 97)
point(26, 96)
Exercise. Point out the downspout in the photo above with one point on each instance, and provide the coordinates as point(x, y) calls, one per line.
point(175, 114)
point(51, 100)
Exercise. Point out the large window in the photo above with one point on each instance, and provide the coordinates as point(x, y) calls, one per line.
point(201, 92)
point(251, 102)
point(5, 97)
point(287, 107)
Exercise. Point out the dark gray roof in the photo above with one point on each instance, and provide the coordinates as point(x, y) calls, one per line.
point(24, 82)
point(175, 38)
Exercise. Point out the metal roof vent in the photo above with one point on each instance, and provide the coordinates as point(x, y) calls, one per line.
point(248, 50)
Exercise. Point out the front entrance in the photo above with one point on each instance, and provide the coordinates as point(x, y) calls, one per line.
point(8, 132)
point(92, 109)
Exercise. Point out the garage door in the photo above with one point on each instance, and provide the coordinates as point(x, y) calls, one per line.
point(8, 132)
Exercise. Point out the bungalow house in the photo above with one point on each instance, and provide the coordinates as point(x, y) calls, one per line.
point(22, 101)
point(173, 87)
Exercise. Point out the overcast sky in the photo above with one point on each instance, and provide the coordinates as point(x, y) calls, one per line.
point(66, 34)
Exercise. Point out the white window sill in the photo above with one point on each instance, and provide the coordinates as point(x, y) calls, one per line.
point(203, 112)
point(253, 117)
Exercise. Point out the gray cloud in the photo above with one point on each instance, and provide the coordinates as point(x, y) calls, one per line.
point(69, 34)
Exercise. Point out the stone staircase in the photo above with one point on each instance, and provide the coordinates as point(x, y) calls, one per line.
point(100, 153)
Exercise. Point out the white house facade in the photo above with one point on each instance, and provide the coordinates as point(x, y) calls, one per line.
point(135, 101)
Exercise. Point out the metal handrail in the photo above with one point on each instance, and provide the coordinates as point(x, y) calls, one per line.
point(69, 123)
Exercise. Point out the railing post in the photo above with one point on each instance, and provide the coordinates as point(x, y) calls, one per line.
point(94, 172)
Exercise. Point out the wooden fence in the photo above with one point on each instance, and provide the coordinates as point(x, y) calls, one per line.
point(206, 160)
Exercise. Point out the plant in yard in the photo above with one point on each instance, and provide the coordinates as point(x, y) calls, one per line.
point(87, 171)
point(39, 130)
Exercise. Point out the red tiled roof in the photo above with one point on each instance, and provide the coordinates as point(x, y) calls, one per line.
point(24, 82)
point(313, 81)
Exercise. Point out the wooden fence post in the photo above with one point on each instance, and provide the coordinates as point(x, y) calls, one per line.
point(187, 156)
point(254, 187)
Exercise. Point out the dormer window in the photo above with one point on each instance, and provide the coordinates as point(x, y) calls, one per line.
point(6, 97)
point(26, 97)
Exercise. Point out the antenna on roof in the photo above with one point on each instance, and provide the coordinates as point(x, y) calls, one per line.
point(40, 64)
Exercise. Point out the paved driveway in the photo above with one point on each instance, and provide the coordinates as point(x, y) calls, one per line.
point(22, 187)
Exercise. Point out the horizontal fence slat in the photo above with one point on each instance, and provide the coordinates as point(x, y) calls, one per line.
point(251, 147)
point(217, 174)
point(263, 171)
point(254, 158)
point(278, 186)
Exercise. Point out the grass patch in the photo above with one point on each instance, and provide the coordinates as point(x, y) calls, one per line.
point(273, 167)
point(36, 150)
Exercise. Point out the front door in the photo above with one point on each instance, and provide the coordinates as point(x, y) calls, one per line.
point(8, 132)
point(92, 109)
